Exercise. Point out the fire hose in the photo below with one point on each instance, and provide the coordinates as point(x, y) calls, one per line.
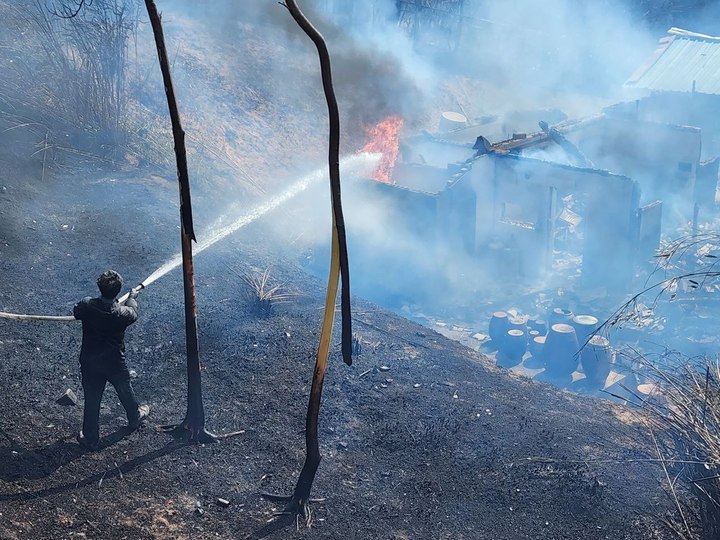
point(60, 318)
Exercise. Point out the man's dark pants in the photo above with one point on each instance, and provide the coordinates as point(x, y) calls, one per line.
point(93, 381)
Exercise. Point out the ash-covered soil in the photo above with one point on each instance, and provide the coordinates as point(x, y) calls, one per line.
point(440, 445)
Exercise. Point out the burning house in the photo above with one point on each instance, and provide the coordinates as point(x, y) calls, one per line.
point(598, 191)
point(592, 187)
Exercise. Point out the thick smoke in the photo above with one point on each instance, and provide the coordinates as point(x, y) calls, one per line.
point(249, 89)
point(513, 59)
point(509, 56)
point(557, 46)
point(374, 71)
point(504, 57)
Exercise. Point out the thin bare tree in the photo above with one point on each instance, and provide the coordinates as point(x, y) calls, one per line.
point(192, 428)
point(298, 502)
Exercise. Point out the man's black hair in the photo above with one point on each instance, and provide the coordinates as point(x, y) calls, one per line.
point(110, 283)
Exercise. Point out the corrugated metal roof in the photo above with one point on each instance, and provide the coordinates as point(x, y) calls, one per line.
point(679, 62)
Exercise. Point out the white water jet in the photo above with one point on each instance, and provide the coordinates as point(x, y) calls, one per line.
point(359, 164)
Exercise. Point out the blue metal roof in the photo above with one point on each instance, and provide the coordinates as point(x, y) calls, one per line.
point(681, 61)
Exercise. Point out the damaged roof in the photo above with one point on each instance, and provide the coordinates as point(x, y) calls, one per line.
point(683, 62)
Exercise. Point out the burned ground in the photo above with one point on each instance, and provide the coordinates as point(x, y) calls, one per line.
point(438, 443)
point(441, 445)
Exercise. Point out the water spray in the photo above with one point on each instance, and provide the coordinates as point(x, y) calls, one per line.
point(357, 165)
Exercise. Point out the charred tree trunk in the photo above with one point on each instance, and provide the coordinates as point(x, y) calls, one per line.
point(192, 427)
point(334, 172)
point(298, 502)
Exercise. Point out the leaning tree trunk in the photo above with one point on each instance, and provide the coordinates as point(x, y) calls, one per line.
point(298, 502)
point(192, 427)
point(301, 496)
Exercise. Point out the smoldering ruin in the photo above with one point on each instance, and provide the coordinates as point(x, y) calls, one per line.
point(515, 337)
point(568, 217)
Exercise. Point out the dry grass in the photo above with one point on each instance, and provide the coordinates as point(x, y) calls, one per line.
point(683, 410)
point(686, 271)
point(683, 417)
point(64, 78)
point(263, 295)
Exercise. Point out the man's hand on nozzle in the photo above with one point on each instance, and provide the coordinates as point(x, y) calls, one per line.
point(135, 291)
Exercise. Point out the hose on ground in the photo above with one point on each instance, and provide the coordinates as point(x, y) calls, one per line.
point(22, 317)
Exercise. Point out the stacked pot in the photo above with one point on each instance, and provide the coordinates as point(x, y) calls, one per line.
point(513, 335)
point(568, 343)
point(509, 337)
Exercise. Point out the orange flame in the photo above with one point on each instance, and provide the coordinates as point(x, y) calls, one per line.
point(385, 139)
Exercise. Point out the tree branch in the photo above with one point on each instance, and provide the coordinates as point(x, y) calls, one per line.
point(66, 12)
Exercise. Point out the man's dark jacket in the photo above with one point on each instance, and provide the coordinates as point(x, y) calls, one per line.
point(104, 325)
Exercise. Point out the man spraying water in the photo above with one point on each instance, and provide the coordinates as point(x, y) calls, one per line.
point(102, 355)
